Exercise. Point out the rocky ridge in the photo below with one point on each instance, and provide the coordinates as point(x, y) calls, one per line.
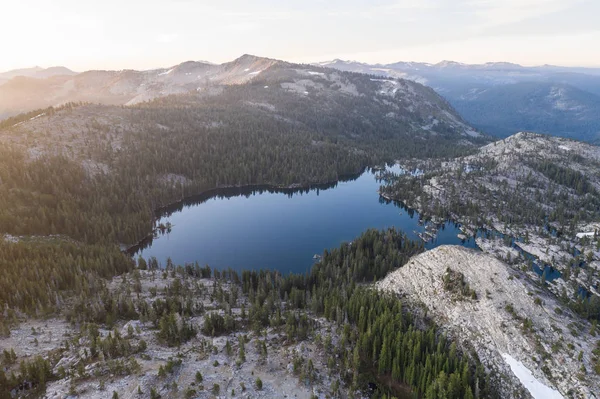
point(510, 316)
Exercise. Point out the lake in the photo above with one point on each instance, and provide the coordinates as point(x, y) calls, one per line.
point(258, 228)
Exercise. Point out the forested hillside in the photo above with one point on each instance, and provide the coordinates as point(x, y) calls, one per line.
point(80, 179)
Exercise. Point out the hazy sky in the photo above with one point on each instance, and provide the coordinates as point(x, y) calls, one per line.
point(144, 34)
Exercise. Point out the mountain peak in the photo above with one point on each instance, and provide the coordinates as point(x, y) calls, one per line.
point(449, 64)
point(37, 72)
point(250, 58)
point(54, 71)
point(502, 65)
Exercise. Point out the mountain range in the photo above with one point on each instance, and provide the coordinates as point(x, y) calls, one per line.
point(253, 121)
point(273, 89)
point(36, 73)
point(498, 98)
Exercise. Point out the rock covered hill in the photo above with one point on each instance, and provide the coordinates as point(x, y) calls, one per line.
point(525, 179)
point(515, 328)
point(543, 191)
point(533, 202)
point(26, 92)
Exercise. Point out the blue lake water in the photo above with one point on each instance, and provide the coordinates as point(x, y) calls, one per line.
point(283, 229)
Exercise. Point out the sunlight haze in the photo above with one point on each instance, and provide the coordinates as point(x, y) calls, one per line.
point(157, 33)
point(383, 199)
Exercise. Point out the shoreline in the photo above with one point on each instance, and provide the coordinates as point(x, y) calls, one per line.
point(231, 191)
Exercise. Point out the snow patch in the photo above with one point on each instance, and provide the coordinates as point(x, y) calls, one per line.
point(537, 389)
point(564, 147)
point(472, 133)
point(165, 73)
point(587, 234)
point(316, 73)
point(254, 73)
point(385, 80)
point(31, 119)
point(268, 106)
point(37, 116)
point(431, 125)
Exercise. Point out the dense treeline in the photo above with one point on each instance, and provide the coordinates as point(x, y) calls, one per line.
point(56, 194)
point(565, 176)
point(33, 375)
point(37, 272)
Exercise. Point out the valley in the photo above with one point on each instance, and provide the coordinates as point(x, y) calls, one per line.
point(502, 98)
point(234, 186)
point(157, 153)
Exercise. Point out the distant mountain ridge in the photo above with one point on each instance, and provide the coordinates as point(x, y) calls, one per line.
point(503, 98)
point(36, 72)
point(396, 106)
point(534, 106)
point(448, 64)
point(25, 91)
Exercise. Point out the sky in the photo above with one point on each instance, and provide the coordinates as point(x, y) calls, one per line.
point(146, 34)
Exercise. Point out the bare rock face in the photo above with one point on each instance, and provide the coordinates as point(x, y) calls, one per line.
point(506, 318)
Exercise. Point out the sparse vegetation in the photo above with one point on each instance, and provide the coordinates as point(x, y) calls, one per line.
point(380, 339)
point(454, 282)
